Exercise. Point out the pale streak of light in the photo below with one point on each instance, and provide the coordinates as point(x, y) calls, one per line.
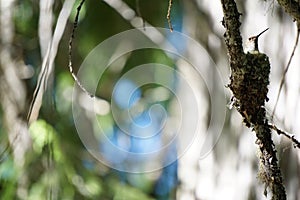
point(137, 22)
point(48, 61)
point(45, 25)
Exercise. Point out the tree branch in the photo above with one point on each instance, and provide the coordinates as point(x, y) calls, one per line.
point(291, 7)
point(169, 15)
point(75, 24)
point(289, 136)
point(249, 85)
point(232, 35)
point(282, 82)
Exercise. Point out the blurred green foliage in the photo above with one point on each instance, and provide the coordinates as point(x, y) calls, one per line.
point(58, 165)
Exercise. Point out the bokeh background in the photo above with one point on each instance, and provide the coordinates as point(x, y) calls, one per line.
point(46, 159)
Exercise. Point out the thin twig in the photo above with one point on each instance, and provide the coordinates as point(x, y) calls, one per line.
point(285, 71)
point(289, 136)
point(70, 50)
point(169, 15)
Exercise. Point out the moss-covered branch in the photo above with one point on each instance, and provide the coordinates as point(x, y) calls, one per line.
point(291, 7)
point(249, 85)
point(232, 35)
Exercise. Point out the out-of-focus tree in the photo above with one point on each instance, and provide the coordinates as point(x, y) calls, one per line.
point(44, 158)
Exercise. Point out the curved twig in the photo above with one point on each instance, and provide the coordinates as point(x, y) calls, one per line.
point(71, 48)
point(285, 71)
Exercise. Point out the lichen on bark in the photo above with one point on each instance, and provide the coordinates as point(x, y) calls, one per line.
point(249, 82)
point(249, 85)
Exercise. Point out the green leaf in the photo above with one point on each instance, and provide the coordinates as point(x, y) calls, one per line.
point(42, 134)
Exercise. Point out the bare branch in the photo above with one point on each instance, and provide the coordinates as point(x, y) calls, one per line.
point(70, 50)
point(289, 136)
point(282, 82)
point(169, 15)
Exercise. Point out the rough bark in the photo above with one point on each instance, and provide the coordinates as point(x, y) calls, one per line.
point(249, 85)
